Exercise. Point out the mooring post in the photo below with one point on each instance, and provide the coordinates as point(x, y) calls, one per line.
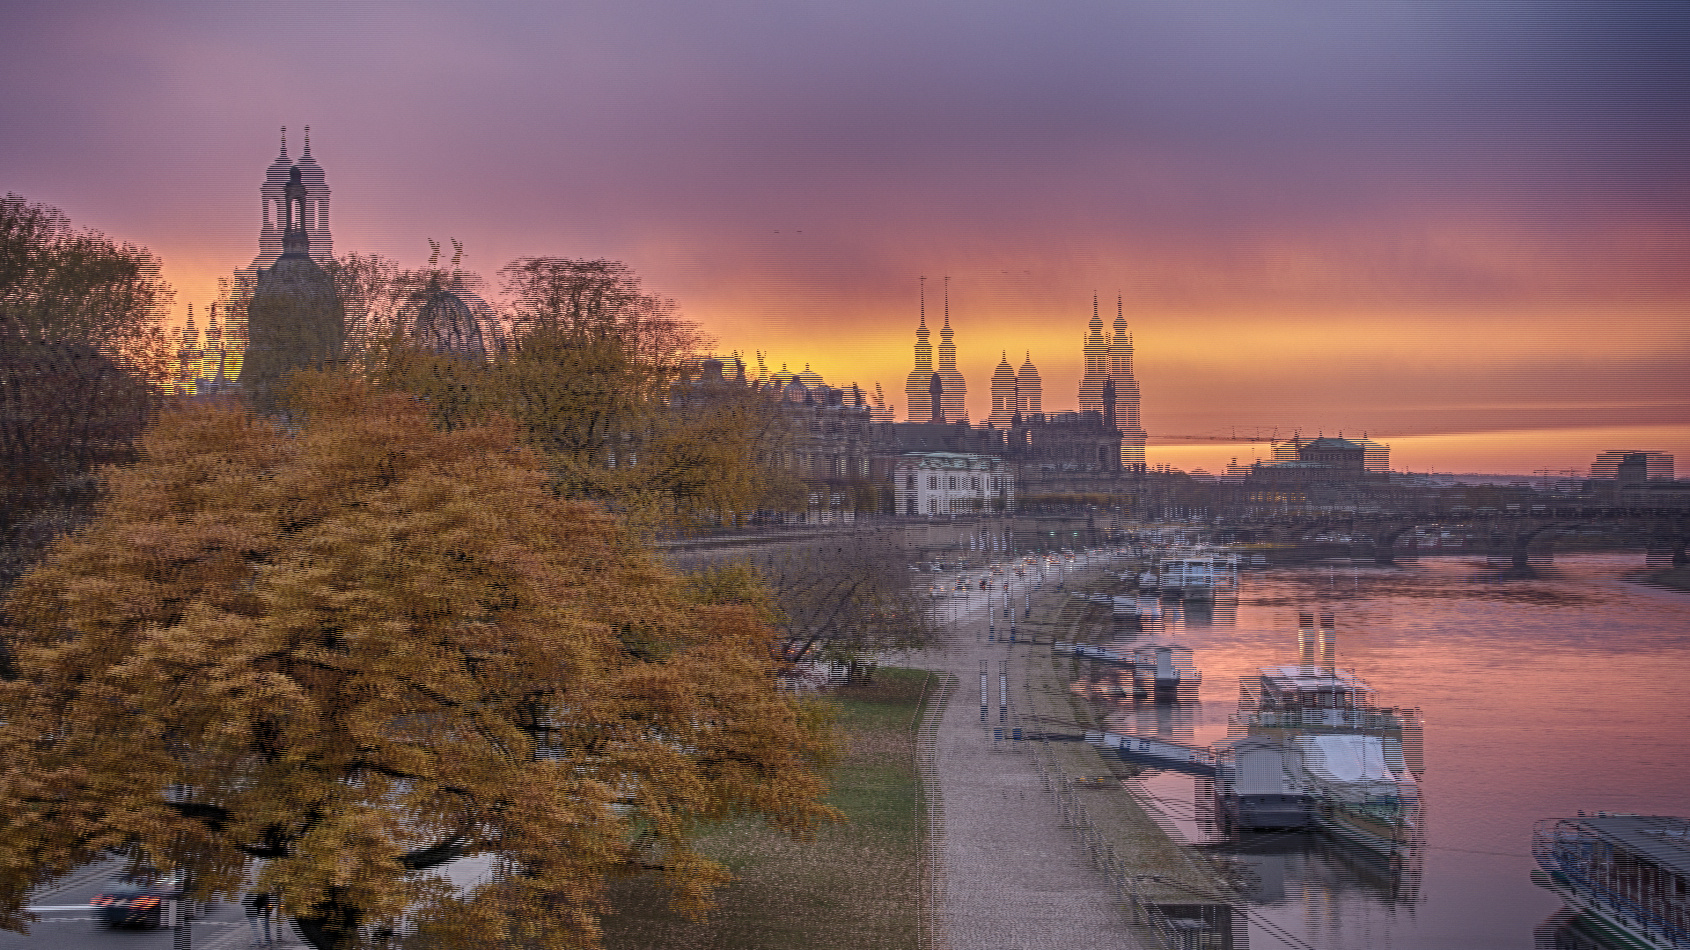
point(1003, 691)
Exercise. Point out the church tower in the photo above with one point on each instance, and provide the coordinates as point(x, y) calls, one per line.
point(1126, 391)
point(1029, 389)
point(295, 318)
point(314, 207)
point(1005, 401)
point(1097, 364)
point(190, 357)
point(955, 390)
point(918, 402)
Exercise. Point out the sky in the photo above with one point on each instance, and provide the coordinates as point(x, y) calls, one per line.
point(1462, 229)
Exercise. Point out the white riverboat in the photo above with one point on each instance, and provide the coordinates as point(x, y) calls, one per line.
point(1627, 876)
point(1358, 761)
point(1198, 577)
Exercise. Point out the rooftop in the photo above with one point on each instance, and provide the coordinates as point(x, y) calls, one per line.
point(1662, 839)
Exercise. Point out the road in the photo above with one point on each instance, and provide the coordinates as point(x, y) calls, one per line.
point(67, 922)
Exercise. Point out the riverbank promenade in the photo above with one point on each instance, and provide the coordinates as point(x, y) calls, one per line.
point(1011, 875)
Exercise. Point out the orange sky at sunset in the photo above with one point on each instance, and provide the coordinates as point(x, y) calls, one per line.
point(1467, 236)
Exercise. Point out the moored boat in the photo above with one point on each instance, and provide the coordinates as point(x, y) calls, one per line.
point(1358, 761)
point(1628, 876)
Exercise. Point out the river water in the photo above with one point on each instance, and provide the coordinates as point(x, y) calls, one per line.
point(1542, 696)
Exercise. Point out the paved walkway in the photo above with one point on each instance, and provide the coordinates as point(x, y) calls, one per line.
point(1013, 877)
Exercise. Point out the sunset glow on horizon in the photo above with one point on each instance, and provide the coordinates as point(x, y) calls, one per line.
point(1467, 236)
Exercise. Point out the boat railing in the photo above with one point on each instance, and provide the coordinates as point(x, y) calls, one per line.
point(1564, 849)
point(1331, 716)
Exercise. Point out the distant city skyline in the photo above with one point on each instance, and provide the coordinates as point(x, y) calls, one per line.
point(1460, 230)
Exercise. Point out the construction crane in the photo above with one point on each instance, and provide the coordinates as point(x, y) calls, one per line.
point(1234, 437)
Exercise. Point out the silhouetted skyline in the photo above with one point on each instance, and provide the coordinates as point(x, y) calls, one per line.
point(1461, 228)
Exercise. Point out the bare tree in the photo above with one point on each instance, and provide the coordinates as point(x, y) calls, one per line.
point(846, 599)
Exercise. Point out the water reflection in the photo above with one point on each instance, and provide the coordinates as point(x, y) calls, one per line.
point(1282, 867)
point(1542, 695)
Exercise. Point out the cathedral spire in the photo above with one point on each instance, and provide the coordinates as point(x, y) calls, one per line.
point(306, 156)
point(924, 302)
point(284, 155)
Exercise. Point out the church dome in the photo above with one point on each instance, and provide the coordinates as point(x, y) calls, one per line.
point(1029, 389)
point(781, 379)
point(451, 321)
point(808, 378)
point(1028, 373)
point(1004, 374)
point(1004, 400)
point(295, 321)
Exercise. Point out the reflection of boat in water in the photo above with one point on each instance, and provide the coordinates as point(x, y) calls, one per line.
point(1626, 876)
point(1311, 745)
point(1286, 865)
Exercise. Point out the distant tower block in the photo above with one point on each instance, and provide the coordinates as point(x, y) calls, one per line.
point(955, 389)
point(1126, 391)
point(1097, 365)
point(1005, 401)
point(1029, 389)
point(918, 401)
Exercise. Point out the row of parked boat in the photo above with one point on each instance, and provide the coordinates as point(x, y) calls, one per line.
point(1312, 746)
point(1194, 575)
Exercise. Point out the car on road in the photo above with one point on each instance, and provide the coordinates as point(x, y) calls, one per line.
point(135, 903)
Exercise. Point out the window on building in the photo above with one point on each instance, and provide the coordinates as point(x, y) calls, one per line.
point(932, 483)
point(953, 483)
point(909, 505)
point(974, 483)
point(909, 482)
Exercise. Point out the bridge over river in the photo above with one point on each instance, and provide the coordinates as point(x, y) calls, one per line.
point(1519, 532)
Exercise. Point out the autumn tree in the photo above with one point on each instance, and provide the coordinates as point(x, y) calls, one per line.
point(81, 347)
point(60, 284)
point(594, 370)
point(366, 645)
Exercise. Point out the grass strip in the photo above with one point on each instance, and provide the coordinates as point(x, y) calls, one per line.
point(855, 884)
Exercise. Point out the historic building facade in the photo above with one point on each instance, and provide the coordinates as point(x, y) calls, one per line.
point(829, 437)
point(928, 484)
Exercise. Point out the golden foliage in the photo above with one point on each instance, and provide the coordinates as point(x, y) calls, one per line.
point(590, 374)
point(370, 645)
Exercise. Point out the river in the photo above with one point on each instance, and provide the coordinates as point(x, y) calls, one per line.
point(1542, 696)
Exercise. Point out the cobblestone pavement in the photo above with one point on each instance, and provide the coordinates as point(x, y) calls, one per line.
point(1013, 877)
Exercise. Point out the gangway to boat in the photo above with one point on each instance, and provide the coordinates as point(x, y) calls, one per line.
point(1157, 753)
point(1163, 669)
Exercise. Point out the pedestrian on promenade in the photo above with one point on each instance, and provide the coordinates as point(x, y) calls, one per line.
point(258, 909)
